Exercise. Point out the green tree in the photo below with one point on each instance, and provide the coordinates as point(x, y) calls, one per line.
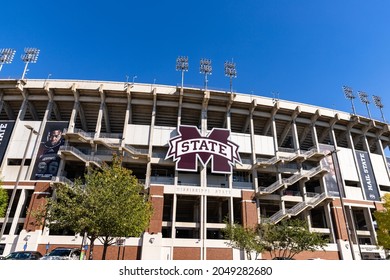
point(285, 239)
point(289, 237)
point(3, 201)
point(383, 223)
point(110, 204)
point(245, 239)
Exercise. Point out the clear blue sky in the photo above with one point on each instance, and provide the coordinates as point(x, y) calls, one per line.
point(305, 50)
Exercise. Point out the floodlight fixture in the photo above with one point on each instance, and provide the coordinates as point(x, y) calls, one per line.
point(6, 56)
point(231, 72)
point(30, 56)
point(364, 99)
point(182, 65)
point(349, 95)
point(378, 103)
point(206, 69)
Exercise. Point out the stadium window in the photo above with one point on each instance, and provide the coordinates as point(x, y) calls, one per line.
point(18, 161)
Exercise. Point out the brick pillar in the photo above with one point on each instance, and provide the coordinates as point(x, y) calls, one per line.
point(379, 206)
point(157, 198)
point(42, 191)
point(249, 210)
point(340, 227)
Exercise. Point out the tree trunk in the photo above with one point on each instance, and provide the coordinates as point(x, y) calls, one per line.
point(92, 239)
point(105, 246)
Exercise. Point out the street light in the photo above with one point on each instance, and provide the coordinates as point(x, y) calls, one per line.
point(30, 56)
point(6, 56)
point(231, 72)
point(349, 95)
point(32, 131)
point(206, 69)
point(182, 65)
point(363, 97)
point(336, 173)
point(378, 103)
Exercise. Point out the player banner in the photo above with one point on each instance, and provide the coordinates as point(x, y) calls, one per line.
point(48, 160)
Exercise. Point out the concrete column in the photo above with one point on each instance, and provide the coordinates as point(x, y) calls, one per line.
point(151, 133)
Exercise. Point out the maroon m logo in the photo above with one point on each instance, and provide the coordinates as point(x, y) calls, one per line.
point(189, 147)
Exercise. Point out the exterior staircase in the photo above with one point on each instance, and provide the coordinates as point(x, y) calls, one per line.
point(292, 180)
point(298, 208)
point(80, 155)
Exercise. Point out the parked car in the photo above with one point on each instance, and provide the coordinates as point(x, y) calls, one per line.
point(23, 255)
point(62, 253)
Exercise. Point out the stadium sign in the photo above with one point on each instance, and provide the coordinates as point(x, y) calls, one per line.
point(189, 147)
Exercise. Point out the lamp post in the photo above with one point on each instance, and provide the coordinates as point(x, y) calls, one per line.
point(336, 171)
point(32, 131)
point(206, 69)
point(6, 56)
point(30, 56)
point(363, 97)
point(349, 95)
point(182, 65)
point(378, 103)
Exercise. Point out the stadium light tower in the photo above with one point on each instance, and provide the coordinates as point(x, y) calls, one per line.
point(378, 103)
point(182, 65)
point(363, 97)
point(231, 72)
point(6, 56)
point(206, 69)
point(30, 56)
point(349, 95)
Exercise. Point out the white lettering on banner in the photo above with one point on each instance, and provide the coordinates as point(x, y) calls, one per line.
point(3, 127)
point(203, 145)
point(365, 170)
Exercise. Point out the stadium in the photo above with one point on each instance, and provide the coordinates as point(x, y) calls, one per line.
point(202, 155)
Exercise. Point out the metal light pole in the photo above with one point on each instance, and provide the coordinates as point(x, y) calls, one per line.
point(349, 95)
point(206, 69)
point(6, 56)
point(230, 71)
point(336, 171)
point(363, 97)
point(32, 131)
point(30, 56)
point(182, 65)
point(378, 103)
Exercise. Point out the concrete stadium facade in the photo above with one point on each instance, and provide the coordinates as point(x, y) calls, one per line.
point(203, 156)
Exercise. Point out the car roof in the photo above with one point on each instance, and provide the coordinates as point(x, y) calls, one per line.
point(66, 248)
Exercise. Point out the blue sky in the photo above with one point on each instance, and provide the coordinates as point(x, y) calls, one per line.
point(302, 50)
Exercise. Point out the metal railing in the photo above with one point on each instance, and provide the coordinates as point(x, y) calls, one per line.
point(278, 216)
point(61, 180)
point(296, 209)
point(87, 158)
point(273, 187)
point(111, 135)
point(317, 199)
point(80, 132)
point(266, 161)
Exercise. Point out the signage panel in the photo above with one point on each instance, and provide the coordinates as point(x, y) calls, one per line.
point(189, 147)
point(5, 134)
point(366, 173)
point(47, 160)
point(331, 162)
